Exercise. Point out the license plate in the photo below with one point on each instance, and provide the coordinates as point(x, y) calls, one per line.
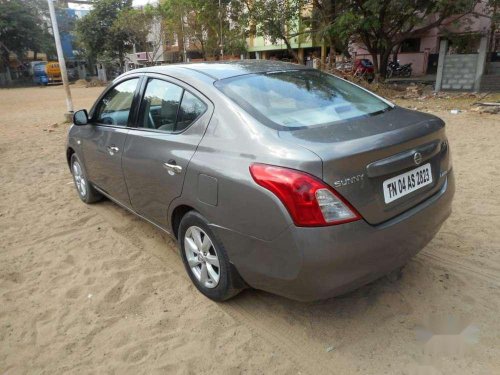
point(404, 184)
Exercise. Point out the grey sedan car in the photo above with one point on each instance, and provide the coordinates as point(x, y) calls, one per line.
point(269, 175)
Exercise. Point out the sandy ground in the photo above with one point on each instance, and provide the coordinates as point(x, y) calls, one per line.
point(93, 289)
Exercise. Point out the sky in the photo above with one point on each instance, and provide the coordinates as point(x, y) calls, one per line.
point(136, 3)
point(143, 2)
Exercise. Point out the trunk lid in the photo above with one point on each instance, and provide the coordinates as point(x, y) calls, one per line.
point(358, 155)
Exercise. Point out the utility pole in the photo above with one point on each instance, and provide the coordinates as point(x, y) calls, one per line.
point(221, 38)
point(183, 41)
point(62, 63)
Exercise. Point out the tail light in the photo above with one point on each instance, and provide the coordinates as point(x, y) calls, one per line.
point(309, 200)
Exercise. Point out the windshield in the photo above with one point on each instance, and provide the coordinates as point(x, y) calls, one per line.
point(300, 98)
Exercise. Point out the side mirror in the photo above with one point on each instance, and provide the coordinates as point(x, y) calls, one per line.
point(81, 117)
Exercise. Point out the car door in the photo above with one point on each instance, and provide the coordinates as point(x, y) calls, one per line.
point(103, 146)
point(170, 124)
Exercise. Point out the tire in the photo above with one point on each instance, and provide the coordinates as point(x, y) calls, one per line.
point(84, 188)
point(202, 269)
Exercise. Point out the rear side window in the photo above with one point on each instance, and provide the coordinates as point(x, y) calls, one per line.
point(168, 107)
point(191, 109)
point(299, 98)
point(160, 105)
point(114, 107)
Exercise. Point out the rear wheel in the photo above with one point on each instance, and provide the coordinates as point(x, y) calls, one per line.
point(206, 260)
point(85, 190)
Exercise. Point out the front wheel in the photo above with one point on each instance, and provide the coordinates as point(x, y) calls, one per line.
point(85, 190)
point(206, 260)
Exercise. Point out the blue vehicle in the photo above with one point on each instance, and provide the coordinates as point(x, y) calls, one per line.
point(40, 76)
point(45, 73)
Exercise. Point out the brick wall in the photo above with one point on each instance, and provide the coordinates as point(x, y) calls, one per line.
point(459, 72)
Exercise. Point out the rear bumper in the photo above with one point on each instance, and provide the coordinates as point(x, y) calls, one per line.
point(316, 263)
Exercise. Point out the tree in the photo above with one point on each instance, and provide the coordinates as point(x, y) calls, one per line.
point(494, 13)
point(22, 28)
point(130, 27)
point(110, 29)
point(381, 25)
point(157, 32)
point(206, 24)
point(325, 14)
point(279, 20)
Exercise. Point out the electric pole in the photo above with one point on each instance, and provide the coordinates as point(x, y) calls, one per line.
point(62, 62)
point(221, 37)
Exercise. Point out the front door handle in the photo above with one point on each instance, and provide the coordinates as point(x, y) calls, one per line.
point(172, 168)
point(113, 150)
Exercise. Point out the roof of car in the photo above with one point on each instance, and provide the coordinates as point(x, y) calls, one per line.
point(227, 69)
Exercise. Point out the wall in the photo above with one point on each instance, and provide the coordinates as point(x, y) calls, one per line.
point(418, 61)
point(459, 72)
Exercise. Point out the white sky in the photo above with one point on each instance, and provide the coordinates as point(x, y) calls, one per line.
point(135, 3)
point(143, 2)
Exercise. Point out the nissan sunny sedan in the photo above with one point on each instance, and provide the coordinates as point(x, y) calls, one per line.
point(270, 175)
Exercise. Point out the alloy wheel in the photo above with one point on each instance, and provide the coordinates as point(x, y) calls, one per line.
point(81, 183)
point(202, 257)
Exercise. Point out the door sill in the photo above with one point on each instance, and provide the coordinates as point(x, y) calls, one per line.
point(132, 211)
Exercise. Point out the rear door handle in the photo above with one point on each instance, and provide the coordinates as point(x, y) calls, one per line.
point(113, 150)
point(172, 168)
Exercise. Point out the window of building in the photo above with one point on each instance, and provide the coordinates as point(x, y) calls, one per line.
point(411, 45)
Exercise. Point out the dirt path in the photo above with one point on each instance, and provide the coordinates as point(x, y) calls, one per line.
point(93, 289)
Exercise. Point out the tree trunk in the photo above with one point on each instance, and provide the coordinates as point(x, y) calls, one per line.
point(384, 59)
point(8, 76)
point(493, 30)
point(290, 49)
point(332, 54)
point(395, 53)
point(120, 59)
point(375, 62)
point(203, 52)
point(5, 62)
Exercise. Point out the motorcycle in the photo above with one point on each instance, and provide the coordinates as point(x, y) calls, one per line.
point(394, 69)
point(363, 68)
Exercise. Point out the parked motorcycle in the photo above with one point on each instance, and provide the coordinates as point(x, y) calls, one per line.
point(364, 68)
point(394, 69)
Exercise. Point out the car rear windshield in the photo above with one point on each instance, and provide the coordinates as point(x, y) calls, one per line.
point(300, 98)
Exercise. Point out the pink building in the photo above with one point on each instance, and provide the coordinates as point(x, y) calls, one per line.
point(422, 50)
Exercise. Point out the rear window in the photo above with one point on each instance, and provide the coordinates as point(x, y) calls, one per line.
point(300, 98)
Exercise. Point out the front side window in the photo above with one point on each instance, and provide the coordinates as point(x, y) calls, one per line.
point(299, 98)
point(114, 108)
point(168, 107)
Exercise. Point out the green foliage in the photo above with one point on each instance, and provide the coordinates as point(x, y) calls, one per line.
point(23, 28)
point(381, 25)
point(131, 26)
point(278, 20)
point(326, 25)
point(110, 29)
point(199, 21)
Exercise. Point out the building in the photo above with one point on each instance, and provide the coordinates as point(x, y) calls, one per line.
point(305, 45)
point(422, 50)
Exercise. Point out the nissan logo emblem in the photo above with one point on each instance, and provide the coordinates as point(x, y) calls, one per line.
point(417, 158)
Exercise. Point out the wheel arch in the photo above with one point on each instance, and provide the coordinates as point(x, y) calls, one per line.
point(69, 154)
point(177, 215)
